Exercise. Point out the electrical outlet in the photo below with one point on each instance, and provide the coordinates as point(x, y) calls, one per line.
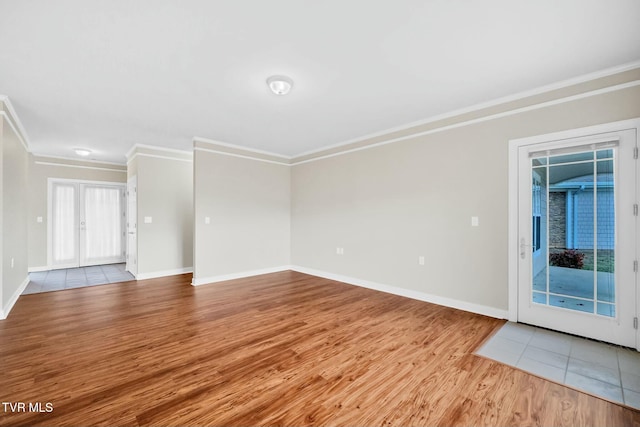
point(39, 219)
point(340, 251)
point(475, 221)
point(421, 260)
point(148, 220)
point(207, 220)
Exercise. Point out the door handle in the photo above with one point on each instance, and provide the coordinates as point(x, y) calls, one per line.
point(523, 248)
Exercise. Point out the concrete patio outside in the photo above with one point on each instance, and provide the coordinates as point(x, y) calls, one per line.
point(573, 289)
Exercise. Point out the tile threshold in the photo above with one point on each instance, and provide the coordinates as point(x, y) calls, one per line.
point(75, 278)
point(603, 366)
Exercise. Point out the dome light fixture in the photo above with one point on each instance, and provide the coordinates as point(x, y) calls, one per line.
point(280, 85)
point(83, 152)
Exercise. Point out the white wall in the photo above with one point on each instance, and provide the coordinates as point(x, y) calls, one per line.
point(248, 204)
point(13, 219)
point(165, 193)
point(388, 205)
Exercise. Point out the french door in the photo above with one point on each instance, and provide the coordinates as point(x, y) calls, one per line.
point(577, 235)
point(86, 223)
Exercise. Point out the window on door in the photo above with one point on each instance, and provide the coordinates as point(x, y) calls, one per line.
point(536, 212)
point(87, 223)
point(64, 223)
point(578, 275)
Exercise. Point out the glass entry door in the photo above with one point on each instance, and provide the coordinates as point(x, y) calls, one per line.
point(86, 223)
point(577, 231)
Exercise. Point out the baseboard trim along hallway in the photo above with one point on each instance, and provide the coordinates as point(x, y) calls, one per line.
point(163, 273)
point(390, 289)
point(4, 311)
point(408, 293)
point(241, 275)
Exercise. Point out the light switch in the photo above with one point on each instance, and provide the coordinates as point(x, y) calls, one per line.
point(39, 219)
point(148, 220)
point(475, 221)
point(207, 220)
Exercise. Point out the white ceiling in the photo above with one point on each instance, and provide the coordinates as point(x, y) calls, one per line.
point(107, 74)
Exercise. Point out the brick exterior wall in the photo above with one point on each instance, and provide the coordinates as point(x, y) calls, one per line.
point(557, 219)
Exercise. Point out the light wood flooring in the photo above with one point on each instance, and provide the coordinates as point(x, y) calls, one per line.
point(279, 349)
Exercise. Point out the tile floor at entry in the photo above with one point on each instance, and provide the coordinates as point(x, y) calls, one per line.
point(56, 280)
point(604, 370)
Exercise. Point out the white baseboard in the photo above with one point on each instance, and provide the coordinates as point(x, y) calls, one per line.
point(408, 293)
point(38, 269)
point(4, 312)
point(213, 279)
point(163, 273)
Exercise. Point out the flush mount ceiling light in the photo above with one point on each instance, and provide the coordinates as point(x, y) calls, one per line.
point(280, 85)
point(82, 152)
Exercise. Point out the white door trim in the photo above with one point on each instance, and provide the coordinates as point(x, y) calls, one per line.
point(131, 257)
point(514, 146)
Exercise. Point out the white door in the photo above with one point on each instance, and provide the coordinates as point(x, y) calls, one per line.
point(87, 223)
point(64, 223)
point(132, 226)
point(577, 235)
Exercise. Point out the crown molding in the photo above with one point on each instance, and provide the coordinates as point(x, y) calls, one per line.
point(241, 156)
point(293, 161)
point(474, 121)
point(68, 165)
point(130, 155)
point(240, 148)
point(15, 123)
point(13, 117)
point(343, 147)
point(481, 106)
point(158, 156)
point(41, 157)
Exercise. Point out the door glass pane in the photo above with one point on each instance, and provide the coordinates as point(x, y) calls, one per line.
point(570, 158)
point(604, 154)
point(103, 222)
point(63, 217)
point(604, 259)
point(539, 238)
point(573, 211)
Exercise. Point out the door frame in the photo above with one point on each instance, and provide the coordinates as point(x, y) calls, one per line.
point(131, 222)
point(513, 235)
point(50, 182)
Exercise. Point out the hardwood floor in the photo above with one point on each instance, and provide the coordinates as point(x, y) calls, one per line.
point(279, 349)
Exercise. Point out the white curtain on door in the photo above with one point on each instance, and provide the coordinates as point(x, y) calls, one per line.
point(103, 222)
point(64, 223)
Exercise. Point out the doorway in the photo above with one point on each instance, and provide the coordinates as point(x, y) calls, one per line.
point(86, 223)
point(573, 232)
point(132, 225)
